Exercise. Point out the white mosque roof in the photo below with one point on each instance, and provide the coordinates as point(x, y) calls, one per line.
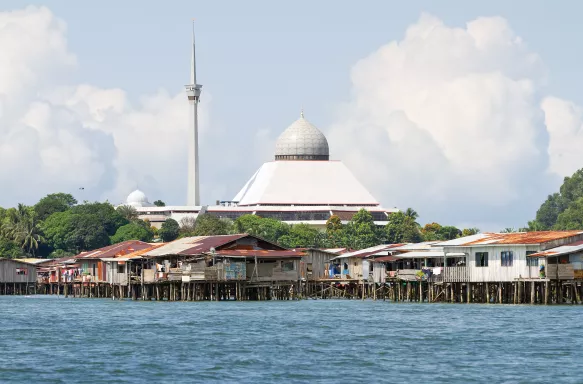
point(304, 183)
point(302, 139)
point(138, 199)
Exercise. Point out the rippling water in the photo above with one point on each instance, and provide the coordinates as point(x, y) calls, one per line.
point(54, 340)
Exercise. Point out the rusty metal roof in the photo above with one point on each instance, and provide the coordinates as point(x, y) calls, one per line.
point(201, 244)
point(119, 249)
point(510, 238)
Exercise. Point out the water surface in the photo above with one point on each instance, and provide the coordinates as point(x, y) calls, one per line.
point(57, 340)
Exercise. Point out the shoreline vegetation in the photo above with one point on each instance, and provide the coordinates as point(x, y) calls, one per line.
point(57, 226)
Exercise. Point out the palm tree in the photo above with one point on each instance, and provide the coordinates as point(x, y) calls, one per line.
point(413, 215)
point(23, 228)
point(508, 230)
point(128, 212)
point(28, 234)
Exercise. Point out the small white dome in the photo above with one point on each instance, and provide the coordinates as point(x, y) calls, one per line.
point(138, 199)
point(301, 141)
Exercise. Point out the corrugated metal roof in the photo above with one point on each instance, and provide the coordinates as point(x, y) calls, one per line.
point(420, 254)
point(362, 253)
point(385, 259)
point(510, 238)
point(562, 250)
point(193, 245)
point(120, 249)
point(260, 253)
point(416, 246)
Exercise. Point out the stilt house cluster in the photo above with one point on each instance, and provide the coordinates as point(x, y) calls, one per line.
point(531, 267)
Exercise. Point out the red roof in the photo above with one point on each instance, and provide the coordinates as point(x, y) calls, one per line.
point(120, 249)
point(198, 245)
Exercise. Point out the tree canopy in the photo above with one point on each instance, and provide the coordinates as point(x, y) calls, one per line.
point(133, 231)
point(170, 230)
point(209, 225)
point(561, 210)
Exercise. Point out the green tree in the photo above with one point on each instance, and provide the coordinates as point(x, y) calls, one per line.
point(572, 188)
point(302, 236)
point(170, 230)
point(470, 231)
point(572, 217)
point(105, 213)
point(402, 229)
point(269, 229)
point(449, 232)
point(550, 210)
point(9, 249)
point(83, 227)
point(21, 226)
point(210, 225)
point(132, 231)
point(534, 225)
point(159, 203)
point(335, 233)
point(508, 230)
point(128, 212)
point(52, 203)
point(431, 232)
point(361, 231)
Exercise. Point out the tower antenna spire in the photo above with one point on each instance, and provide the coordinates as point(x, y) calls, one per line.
point(193, 93)
point(193, 59)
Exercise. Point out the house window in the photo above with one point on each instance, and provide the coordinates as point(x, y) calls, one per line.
point(121, 268)
point(506, 257)
point(287, 266)
point(21, 271)
point(531, 261)
point(481, 259)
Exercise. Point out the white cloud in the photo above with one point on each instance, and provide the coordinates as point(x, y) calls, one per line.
point(564, 122)
point(447, 121)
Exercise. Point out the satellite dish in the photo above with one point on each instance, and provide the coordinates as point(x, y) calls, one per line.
point(213, 250)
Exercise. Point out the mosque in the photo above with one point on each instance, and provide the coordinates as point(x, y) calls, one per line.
point(301, 184)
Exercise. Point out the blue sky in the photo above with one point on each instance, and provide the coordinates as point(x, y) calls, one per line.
point(261, 61)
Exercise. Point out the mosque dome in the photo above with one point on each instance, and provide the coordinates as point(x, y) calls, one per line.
point(138, 199)
point(302, 141)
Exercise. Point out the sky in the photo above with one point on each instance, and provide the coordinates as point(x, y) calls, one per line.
point(468, 112)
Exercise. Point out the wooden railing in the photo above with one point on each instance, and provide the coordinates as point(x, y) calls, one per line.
point(456, 274)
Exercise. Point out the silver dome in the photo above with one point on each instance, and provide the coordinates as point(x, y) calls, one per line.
point(301, 141)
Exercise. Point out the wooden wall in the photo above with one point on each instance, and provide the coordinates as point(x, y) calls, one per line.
point(8, 272)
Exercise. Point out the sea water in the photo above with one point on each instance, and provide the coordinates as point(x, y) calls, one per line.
point(57, 340)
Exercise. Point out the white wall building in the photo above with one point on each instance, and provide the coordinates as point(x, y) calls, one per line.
point(500, 257)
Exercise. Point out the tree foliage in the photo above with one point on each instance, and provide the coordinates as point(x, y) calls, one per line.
point(266, 228)
point(135, 230)
point(572, 217)
point(209, 225)
point(303, 236)
point(470, 231)
point(128, 212)
point(53, 203)
point(402, 229)
point(83, 227)
point(547, 216)
point(159, 203)
point(170, 230)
